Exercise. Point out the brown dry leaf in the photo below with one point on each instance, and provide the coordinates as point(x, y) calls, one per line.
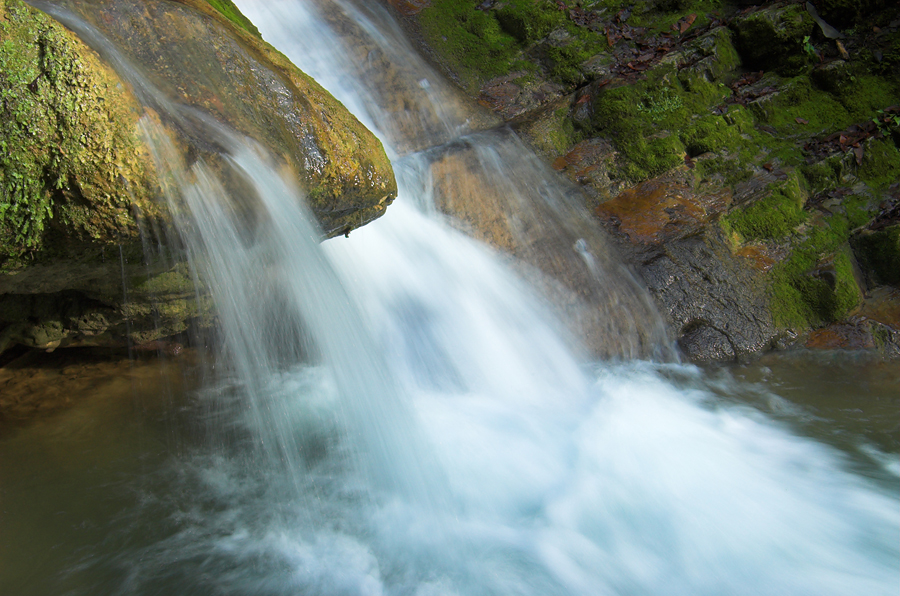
point(858, 152)
point(686, 23)
point(843, 51)
point(801, 121)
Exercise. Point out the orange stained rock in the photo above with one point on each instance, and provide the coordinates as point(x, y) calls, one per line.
point(661, 209)
point(841, 336)
point(883, 306)
point(409, 7)
point(581, 157)
point(761, 257)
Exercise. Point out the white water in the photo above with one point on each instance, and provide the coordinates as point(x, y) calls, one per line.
point(443, 437)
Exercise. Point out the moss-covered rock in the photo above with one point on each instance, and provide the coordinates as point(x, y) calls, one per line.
point(72, 164)
point(879, 254)
point(771, 218)
point(754, 101)
point(773, 38)
point(339, 163)
point(78, 191)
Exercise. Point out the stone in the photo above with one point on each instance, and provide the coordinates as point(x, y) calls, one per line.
point(772, 38)
point(662, 209)
point(84, 259)
point(708, 295)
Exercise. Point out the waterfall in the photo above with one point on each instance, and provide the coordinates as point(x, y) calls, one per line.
point(405, 412)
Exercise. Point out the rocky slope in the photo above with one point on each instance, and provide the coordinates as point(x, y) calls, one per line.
point(85, 258)
point(745, 155)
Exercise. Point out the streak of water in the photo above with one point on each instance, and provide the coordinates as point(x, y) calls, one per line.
point(489, 183)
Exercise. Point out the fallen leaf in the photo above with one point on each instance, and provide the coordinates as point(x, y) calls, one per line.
point(611, 38)
point(858, 152)
point(801, 121)
point(843, 51)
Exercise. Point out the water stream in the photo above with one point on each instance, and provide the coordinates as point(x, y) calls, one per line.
point(406, 412)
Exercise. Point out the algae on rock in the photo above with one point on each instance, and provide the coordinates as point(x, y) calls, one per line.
point(72, 165)
point(80, 196)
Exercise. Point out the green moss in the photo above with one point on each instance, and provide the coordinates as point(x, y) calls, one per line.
point(471, 41)
point(529, 21)
point(772, 39)
point(233, 14)
point(859, 210)
point(661, 104)
point(824, 174)
point(864, 94)
point(815, 285)
point(879, 254)
point(648, 157)
point(880, 164)
point(566, 60)
point(712, 133)
point(660, 15)
point(176, 281)
point(69, 150)
point(799, 109)
point(477, 45)
point(560, 133)
point(773, 217)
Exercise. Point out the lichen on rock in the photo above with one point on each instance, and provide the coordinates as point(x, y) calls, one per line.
point(72, 165)
point(85, 258)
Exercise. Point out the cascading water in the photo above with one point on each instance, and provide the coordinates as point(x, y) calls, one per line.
point(427, 428)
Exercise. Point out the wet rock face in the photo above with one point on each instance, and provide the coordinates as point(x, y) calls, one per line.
point(84, 256)
point(551, 242)
point(768, 133)
point(196, 56)
point(716, 305)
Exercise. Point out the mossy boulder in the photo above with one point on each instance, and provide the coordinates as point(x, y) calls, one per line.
point(73, 166)
point(84, 256)
point(773, 38)
point(878, 252)
point(339, 163)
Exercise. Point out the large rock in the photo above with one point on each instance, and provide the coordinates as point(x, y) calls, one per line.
point(555, 246)
point(84, 256)
point(621, 100)
point(717, 306)
point(201, 59)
